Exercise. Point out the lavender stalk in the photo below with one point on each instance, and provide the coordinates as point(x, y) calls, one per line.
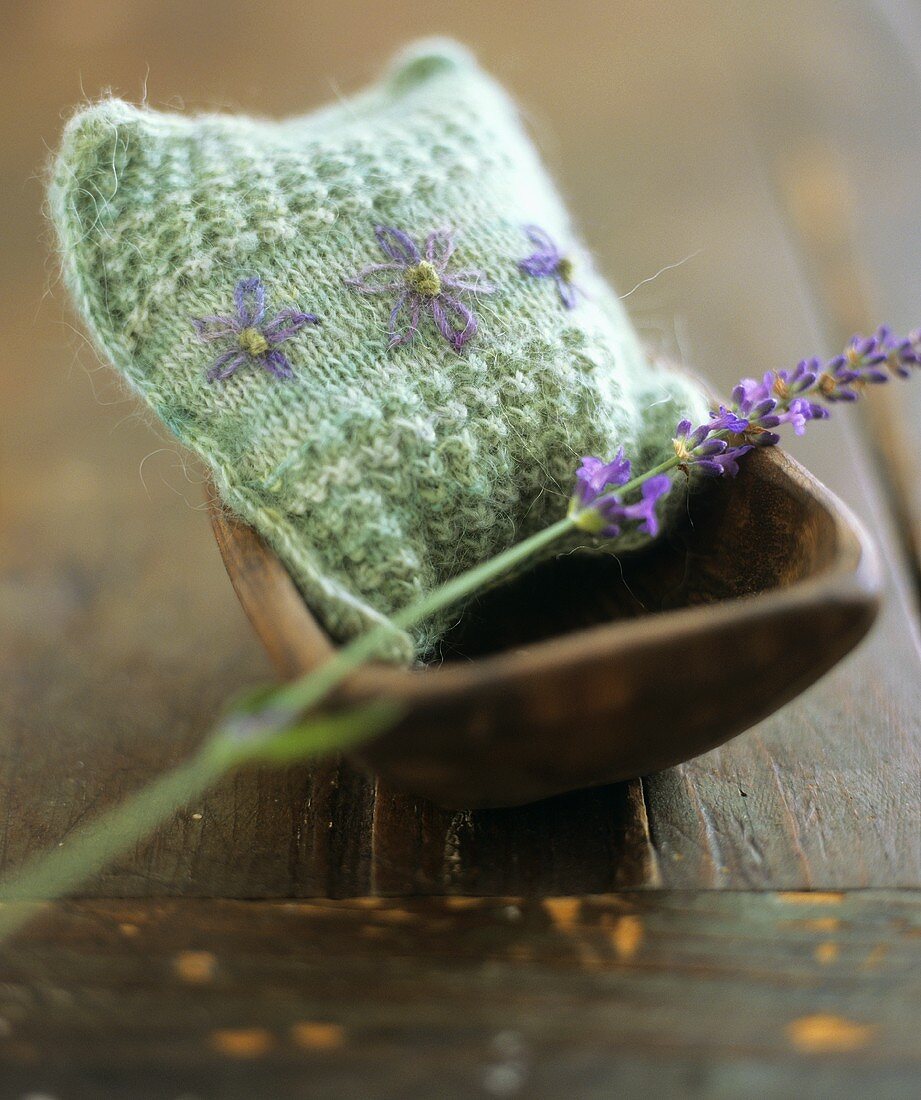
point(116, 830)
point(756, 409)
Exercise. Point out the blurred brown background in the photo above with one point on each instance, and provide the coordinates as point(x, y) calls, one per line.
point(776, 145)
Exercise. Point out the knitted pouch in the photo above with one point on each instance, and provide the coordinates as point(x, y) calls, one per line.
point(373, 323)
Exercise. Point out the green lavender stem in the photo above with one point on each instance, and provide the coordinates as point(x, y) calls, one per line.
point(271, 729)
point(62, 870)
point(115, 831)
point(271, 732)
point(297, 697)
point(274, 740)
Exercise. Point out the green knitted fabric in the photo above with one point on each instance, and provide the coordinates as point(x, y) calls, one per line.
point(375, 472)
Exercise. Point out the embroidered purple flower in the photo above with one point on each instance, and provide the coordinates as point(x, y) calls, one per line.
point(422, 283)
point(549, 263)
point(250, 337)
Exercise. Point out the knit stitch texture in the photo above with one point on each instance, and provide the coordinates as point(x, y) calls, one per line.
point(375, 472)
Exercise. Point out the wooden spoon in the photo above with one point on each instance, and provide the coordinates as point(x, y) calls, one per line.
point(592, 668)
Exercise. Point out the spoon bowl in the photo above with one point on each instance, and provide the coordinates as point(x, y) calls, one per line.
point(591, 668)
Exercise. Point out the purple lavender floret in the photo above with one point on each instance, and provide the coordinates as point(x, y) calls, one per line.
point(802, 410)
point(548, 262)
point(724, 464)
point(902, 353)
point(251, 338)
point(594, 476)
point(422, 283)
point(729, 420)
point(693, 437)
point(601, 511)
point(869, 360)
point(709, 454)
point(600, 507)
point(644, 511)
point(785, 397)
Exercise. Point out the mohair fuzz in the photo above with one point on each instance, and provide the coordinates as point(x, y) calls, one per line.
point(375, 472)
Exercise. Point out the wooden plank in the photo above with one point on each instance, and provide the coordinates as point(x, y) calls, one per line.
point(826, 793)
point(858, 228)
point(707, 994)
point(121, 638)
point(585, 842)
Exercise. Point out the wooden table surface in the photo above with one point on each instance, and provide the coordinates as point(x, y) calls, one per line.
point(746, 924)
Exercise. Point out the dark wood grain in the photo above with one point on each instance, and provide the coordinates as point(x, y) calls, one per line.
point(701, 994)
point(588, 841)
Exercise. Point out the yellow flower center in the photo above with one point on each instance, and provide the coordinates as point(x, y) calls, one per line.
point(586, 519)
point(253, 342)
point(750, 435)
point(564, 268)
point(827, 383)
point(423, 278)
point(781, 389)
point(681, 450)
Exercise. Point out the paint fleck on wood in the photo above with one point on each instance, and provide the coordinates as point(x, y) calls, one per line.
point(458, 902)
point(626, 936)
point(811, 897)
point(824, 1033)
point(395, 916)
point(816, 924)
point(195, 967)
point(242, 1042)
point(876, 956)
point(374, 932)
point(826, 953)
point(563, 913)
point(315, 1035)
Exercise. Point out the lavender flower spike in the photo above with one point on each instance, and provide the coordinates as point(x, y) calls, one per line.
point(785, 397)
point(422, 283)
point(251, 339)
point(548, 262)
point(756, 407)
